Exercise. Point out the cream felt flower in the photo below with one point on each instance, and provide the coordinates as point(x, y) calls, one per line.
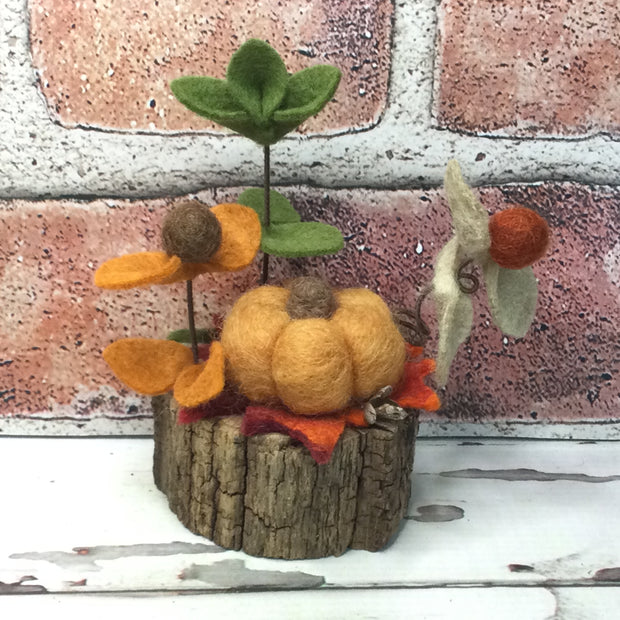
point(504, 247)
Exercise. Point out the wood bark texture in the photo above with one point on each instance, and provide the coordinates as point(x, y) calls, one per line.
point(266, 495)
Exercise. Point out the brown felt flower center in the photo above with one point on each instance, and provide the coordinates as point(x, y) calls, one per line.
point(192, 232)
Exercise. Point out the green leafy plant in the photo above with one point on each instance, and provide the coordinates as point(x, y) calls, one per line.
point(260, 100)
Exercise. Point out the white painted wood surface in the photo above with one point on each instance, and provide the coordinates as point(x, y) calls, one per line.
point(530, 531)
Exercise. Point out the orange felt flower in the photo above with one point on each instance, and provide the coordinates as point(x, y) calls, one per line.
point(154, 367)
point(240, 241)
point(199, 383)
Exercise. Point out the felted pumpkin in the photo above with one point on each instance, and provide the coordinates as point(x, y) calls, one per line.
point(311, 348)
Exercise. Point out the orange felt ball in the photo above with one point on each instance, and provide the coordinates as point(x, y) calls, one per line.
point(519, 237)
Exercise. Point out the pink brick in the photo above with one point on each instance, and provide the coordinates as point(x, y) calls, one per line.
point(108, 64)
point(527, 67)
point(57, 322)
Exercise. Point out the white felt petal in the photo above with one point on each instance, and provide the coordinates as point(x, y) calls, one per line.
point(469, 217)
point(512, 297)
point(454, 309)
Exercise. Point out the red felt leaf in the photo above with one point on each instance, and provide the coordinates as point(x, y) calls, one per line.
point(229, 402)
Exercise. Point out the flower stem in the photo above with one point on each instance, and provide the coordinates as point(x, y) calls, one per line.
point(267, 207)
point(190, 320)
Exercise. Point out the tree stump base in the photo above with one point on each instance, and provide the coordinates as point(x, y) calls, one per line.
point(265, 494)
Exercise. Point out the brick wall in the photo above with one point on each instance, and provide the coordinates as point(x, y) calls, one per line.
point(94, 148)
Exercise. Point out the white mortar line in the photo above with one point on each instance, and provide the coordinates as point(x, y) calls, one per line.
point(89, 162)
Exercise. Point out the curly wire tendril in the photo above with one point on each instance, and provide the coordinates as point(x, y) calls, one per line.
point(468, 281)
point(410, 323)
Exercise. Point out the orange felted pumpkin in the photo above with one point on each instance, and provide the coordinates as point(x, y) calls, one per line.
point(311, 348)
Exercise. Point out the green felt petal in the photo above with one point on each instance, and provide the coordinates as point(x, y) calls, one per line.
point(512, 297)
point(307, 92)
point(257, 79)
point(299, 239)
point(209, 97)
point(183, 336)
point(281, 211)
point(469, 217)
point(454, 309)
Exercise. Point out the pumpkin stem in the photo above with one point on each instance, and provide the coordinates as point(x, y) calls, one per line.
point(310, 298)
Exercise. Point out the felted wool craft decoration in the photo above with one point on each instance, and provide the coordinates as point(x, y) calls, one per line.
point(519, 237)
point(153, 367)
point(504, 247)
point(320, 433)
point(411, 392)
point(230, 245)
point(312, 361)
point(259, 98)
point(286, 235)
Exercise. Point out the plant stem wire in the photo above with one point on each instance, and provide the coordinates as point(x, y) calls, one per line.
point(190, 319)
point(267, 207)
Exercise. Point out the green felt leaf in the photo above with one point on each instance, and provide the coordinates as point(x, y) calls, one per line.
point(307, 92)
point(275, 131)
point(209, 97)
point(281, 211)
point(212, 98)
point(299, 239)
point(265, 136)
point(257, 79)
point(512, 297)
point(454, 309)
point(182, 336)
point(469, 217)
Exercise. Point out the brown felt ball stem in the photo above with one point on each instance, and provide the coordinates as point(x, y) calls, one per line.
point(519, 237)
point(192, 232)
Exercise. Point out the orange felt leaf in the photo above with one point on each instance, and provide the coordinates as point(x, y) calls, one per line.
point(139, 269)
point(424, 398)
point(319, 434)
point(147, 366)
point(413, 351)
point(199, 383)
point(241, 234)
point(412, 392)
point(355, 417)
